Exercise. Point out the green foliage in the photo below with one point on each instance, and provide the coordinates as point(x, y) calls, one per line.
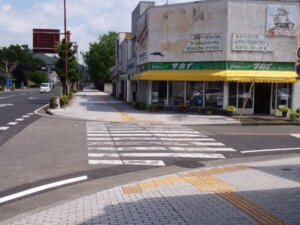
point(209, 108)
point(63, 100)
point(73, 71)
point(74, 90)
point(51, 101)
point(39, 77)
point(101, 56)
point(139, 105)
point(152, 107)
point(1, 88)
point(298, 110)
point(294, 114)
point(284, 109)
point(230, 108)
point(70, 94)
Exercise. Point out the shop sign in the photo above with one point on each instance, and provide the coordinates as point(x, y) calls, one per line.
point(155, 97)
point(249, 42)
point(204, 43)
point(222, 65)
point(143, 55)
point(282, 20)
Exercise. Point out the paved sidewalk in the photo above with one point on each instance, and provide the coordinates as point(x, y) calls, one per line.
point(253, 193)
point(91, 104)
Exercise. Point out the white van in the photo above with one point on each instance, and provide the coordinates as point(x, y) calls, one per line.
point(45, 88)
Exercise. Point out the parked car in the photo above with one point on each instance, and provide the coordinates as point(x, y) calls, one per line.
point(45, 88)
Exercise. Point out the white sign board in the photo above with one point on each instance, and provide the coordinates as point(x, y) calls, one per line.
point(204, 43)
point(249, 42)
point(282, 20)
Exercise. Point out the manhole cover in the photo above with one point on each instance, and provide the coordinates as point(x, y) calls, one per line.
point(189, 164)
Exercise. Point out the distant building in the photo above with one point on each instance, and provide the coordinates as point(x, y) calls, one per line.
point(209, 53)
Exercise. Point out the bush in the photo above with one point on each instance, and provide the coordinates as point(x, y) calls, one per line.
point(298, 110)
point(63, 100)
point(209, 108)
point(70, 94)
point(142, 106)
point(284, 109)
point(51, 100)
point(152, 107)
point(74, 90)
point(39, 77)
point(1, 88)
point(294, 114)
point(230, 108)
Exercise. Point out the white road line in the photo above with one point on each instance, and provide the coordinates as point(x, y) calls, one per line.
point(30, 114)
point(271, 150)
point(98, 135)
point(4, 128)
point(19, 119)
point(181, 155)
point(159, 148)
point(187, 139)
point(102, 149)
point(135, 139)
point(295, 135)
point(144, 162)
point(97, 131)
point(99, 143)
point(103, 155)
point(207, 143)
point(150, 131)
point(25, 116)
point(129, 135)
point(201, 149)
point(99, 139)
point(42, 188)
point(110, 162)
point(12, 123)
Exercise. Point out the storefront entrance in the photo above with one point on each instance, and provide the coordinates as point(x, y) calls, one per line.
point(262, 96)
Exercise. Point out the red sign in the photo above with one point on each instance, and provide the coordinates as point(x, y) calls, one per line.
point(45, 40)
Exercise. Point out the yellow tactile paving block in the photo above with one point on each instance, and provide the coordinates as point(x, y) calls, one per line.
point(146, 185)
point(131, 189)
point(174, 179)
point(162, 182)
point(259, 214)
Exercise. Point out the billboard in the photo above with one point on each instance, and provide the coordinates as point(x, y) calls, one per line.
point(282, 20)
point(45, 40)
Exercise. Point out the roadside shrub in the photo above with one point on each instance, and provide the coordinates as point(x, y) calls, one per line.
point(230, 108)
point(70, 94)
point(63, 100)
point(284, 109)
point(74, 90)
point(1, 88)
point(51, 100)
point(152, 107)
point(135, 104)
point(298, 110)
point(294, 114)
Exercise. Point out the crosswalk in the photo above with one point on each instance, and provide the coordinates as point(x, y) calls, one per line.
point(148, 144)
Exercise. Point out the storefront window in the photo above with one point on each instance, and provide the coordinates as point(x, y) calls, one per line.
point(176, 92)
point(195, 93)
point(242, 95)
point(214, 94)
point(284, 95)
point(159, 92)
point(232, 93)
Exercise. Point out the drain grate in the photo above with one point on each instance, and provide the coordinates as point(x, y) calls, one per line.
point(189, 164)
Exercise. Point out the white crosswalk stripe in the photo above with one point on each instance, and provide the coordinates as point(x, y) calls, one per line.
point(148, 145)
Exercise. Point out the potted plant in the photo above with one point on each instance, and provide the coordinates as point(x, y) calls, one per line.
point(230, 110)
point(182, 107)
point(152, 107)
point(284, 110)
point(293, 116)
point(208, 110)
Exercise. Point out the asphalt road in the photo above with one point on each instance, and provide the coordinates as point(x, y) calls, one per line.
point(51, 150)
point(17, 110)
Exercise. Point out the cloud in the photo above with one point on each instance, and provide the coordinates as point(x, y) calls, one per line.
point(87, 19)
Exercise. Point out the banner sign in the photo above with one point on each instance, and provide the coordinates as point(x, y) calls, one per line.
point(220, 65)
point(204, 43)
point(249, 42)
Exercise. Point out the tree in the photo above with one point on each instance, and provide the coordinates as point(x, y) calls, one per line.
point(73, 71)
point(39, 77)
point(100, 57)
point(12, 56)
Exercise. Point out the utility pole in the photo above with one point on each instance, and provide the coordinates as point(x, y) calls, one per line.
point(66, 49)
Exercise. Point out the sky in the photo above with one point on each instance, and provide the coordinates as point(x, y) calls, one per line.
point(87, 19)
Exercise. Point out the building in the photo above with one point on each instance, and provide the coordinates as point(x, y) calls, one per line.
point(216, 53)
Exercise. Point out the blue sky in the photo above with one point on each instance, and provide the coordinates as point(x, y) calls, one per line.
point(87, 19)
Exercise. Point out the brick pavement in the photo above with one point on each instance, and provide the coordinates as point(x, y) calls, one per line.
point(263, 193)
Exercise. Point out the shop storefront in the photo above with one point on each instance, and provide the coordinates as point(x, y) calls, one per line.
point(196, 89)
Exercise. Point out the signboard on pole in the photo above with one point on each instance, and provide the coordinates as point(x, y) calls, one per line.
point(45, 40)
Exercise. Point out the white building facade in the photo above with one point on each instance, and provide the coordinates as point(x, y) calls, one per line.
point(211, 53)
